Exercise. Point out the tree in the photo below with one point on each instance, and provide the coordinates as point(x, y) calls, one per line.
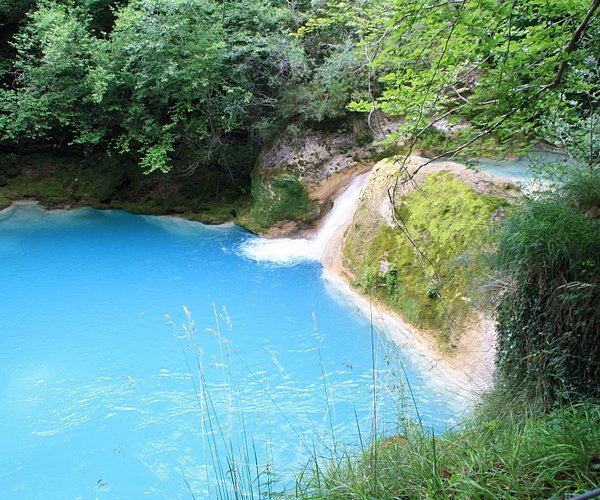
point(50, 95)
point(170, 80)
point(341, 69)
point(157, 75)
point(509, 68)
point(13, 11)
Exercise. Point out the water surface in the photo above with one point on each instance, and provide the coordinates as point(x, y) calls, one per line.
point(109, 390)
point(522, 169)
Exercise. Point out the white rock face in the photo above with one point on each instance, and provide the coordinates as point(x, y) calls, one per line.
point(318, 155)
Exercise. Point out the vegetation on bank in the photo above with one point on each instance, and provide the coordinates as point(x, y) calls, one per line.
point(100, 181)
point(537, 434)
point(518, 455)
point(202, 84)
point(432, 289)
point(279, 196)
point(549, 316)
point(168, 84)
point(179, 87)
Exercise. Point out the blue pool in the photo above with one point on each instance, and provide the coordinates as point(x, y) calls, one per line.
point(109, 389)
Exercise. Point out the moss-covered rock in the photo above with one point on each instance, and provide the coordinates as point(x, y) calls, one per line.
point(277, 197)
point(102, 181)
point(419, 254)
point(292, 169)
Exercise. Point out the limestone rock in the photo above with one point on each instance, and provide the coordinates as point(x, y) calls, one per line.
point(416, 235)
point(322, 162)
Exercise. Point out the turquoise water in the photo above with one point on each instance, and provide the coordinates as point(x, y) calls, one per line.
point(109, 390)
point(522, 169)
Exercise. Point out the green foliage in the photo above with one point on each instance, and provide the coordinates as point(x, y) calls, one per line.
point(55, 53)
point(371, 278)
point(521, 455)
point(515, 69)
point(340, 63)
point(448, 220)
point(186, 81)
point(339, 79)
point(101, 12)
point(13, 11)
point(549, 319)
point(433, 142)
point(391, 279)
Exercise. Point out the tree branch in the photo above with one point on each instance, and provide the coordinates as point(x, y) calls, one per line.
point(579, 32)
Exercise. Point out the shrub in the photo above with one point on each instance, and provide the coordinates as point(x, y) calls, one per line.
point(549, 316)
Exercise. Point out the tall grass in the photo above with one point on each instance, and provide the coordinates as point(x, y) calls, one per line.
point(521, 455)
point(230, 454)
point(238, 463)
point(549, 317)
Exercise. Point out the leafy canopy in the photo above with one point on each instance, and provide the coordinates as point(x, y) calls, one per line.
point(510, 68)
point(172, 78)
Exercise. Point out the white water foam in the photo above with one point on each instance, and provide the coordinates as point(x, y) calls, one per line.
point(289, 251)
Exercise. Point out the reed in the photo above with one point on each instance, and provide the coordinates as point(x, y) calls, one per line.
point(502, 451)
point(239, 464)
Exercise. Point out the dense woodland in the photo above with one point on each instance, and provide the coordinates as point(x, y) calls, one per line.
point(182, 86)
point(189, 83)
point(166, 83)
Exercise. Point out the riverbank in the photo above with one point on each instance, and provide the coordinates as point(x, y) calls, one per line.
point(100, 181)
point(469, 366)
point(535, 434)
point(467, 354)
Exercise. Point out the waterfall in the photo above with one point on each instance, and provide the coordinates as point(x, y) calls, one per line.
point(288, 251)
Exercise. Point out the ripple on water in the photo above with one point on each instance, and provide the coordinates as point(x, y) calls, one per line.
point(106, 398)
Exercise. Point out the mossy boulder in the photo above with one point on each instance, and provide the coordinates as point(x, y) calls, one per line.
point(420, 254)
point(278, 197)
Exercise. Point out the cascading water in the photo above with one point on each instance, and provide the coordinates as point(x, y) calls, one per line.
point(288, 251)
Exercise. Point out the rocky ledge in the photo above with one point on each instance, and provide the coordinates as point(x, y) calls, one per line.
point(417, 244)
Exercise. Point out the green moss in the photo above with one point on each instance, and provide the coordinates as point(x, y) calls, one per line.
point(447, 220)
point(4, 201)
point(103, 182)
point(278, 197)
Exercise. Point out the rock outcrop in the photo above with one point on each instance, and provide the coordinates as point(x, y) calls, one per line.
point(414, 245)
point(390, 181)
point(298, 174)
